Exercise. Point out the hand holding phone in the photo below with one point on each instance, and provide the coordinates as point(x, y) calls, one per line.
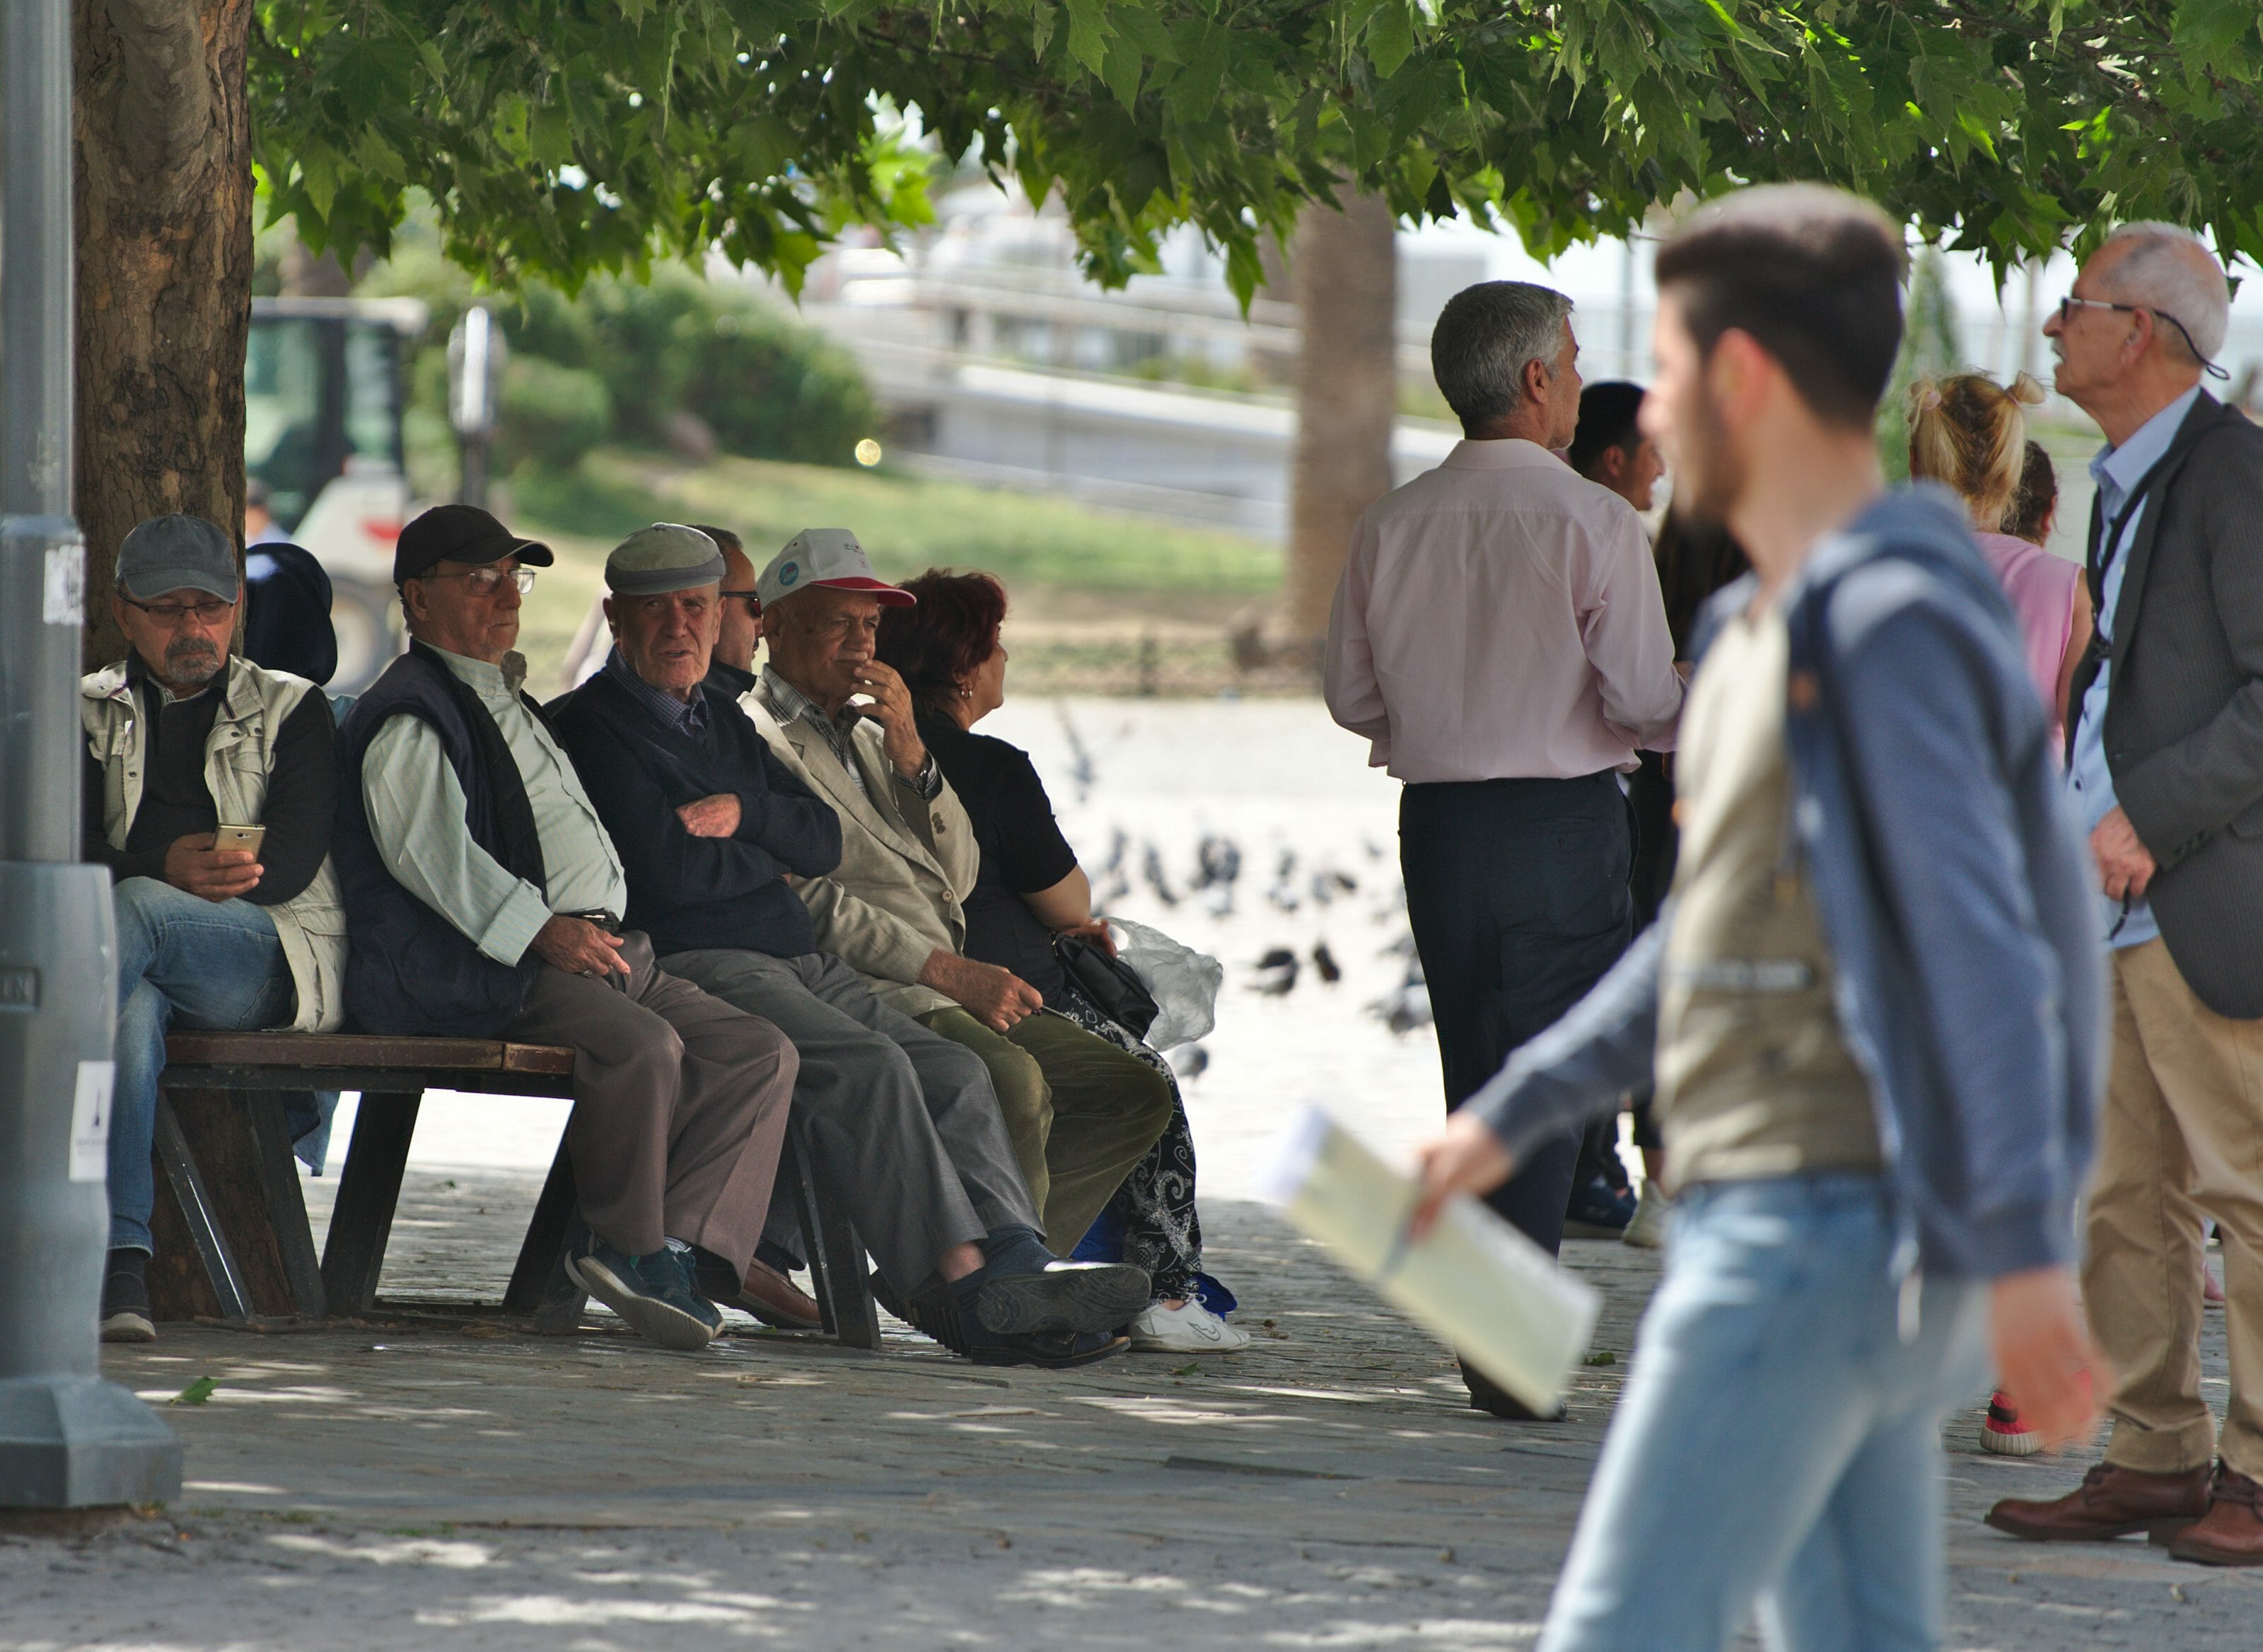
point(216, 865)
point(248, 837)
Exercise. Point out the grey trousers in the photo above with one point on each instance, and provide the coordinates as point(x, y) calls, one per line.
point(903, 1119)
point(679, 1104)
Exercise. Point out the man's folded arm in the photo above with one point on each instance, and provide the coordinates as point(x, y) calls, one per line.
point(1578, 1069)
point(415, 809)
point(789, 820)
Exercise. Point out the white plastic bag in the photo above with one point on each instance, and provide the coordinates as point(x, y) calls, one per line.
point(1183, 982)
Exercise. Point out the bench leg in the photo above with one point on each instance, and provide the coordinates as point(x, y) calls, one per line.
point(286, 1204)
point(369, 1190)
point(538, 1285)
point(837, 1255)
point(202, 1217)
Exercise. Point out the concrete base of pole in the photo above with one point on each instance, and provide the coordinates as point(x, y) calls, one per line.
point(80, 1442)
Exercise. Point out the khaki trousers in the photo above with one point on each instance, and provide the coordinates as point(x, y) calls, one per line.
point(679, 1104)
point(1081, 1112)
point(2181, 1137)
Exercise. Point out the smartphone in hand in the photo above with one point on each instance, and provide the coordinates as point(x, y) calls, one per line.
point(239, 838)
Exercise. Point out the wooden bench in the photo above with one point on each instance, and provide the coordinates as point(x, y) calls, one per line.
point(233, 1241)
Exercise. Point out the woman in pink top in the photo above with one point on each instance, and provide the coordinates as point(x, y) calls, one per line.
point(1971, 434)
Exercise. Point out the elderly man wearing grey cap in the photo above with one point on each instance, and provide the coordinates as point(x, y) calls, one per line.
point(210, 788)
point(485, 900)
point(710, 824)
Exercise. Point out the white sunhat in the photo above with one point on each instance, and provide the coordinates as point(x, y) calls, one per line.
point(830, 557)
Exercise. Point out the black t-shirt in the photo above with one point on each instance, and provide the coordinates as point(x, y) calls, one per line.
point(1023, 850)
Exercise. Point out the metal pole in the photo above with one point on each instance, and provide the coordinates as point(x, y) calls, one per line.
point(67, 1438)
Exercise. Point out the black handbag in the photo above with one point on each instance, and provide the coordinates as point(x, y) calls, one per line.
point(1109, 983)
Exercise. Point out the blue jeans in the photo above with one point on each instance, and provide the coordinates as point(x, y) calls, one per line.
point(1778, 1445)
point(216, 964)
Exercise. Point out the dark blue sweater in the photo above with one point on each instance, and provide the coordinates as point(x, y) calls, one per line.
point(688, 892)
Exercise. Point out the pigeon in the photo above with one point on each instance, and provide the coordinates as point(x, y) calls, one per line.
point(1325, 961)
point(1277, 972)
point(1408, 1008)
point(1152, 869)
point(1189, 1061)
point(1283, 895)
point(1079, 767)
point(1115, 885)
point(1329, 883)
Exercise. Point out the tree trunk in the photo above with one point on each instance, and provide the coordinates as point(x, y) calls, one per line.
point(163, 182)
point(1344, 271)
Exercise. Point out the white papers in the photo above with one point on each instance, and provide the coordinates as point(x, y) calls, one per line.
point(1474, 1282)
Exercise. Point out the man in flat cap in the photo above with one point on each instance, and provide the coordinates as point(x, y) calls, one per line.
point(710, 823)
point(485, 901)
point(183, 742)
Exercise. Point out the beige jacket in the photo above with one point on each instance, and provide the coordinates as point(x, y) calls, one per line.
point(239, 756)
point(906, 863)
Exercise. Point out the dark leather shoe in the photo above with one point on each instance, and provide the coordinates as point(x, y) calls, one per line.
point(2109, 1503)
point(1490, 1397)
point(762, 1290)
point(2230, 1533)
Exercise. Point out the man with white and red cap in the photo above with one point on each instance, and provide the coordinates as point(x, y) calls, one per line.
point(1081, 1112)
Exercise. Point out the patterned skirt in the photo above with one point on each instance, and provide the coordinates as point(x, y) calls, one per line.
point(1153, 1212)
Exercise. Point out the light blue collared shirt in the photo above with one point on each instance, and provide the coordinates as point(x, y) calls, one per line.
point(2116, 470)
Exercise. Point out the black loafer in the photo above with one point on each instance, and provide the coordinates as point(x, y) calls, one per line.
point(1073, 1297)
point(1050, 1349)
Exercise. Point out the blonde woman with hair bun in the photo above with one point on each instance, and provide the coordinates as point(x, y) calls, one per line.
point(1969, 434)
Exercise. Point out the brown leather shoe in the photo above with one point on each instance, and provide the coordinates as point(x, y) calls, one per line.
point(2230, 1533)
point(765, 1293)
point(2109, 1503)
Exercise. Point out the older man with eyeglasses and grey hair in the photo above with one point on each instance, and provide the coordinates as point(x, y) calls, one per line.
point(484, 899)
point(2165, 759)
point(1500, 639)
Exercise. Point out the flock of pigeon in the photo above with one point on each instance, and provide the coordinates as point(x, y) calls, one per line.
point(1276, 972)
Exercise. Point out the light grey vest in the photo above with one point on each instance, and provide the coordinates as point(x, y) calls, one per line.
point(239, 757)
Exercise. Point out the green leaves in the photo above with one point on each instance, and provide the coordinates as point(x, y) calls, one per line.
point(560, 139)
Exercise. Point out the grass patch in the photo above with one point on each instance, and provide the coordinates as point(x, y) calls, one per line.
point(906, 523)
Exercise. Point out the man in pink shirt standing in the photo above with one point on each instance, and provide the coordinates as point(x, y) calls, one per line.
point(1500, 639)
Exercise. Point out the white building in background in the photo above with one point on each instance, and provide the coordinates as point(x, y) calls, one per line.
point(997, 362)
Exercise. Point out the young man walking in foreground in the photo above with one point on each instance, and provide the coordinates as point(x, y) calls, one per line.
point(1872, 1000)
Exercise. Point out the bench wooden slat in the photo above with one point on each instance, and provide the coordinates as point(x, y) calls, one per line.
point(365, 1052)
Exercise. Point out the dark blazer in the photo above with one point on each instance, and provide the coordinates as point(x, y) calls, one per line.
point(2184, 720)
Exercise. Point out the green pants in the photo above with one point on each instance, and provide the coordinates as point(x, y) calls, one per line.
point(1079, 1112)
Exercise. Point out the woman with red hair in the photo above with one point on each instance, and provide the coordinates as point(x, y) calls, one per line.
point(1030, 888)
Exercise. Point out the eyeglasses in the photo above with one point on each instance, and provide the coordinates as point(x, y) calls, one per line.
point(2068, 305)
point(170, 614)
point(485, 581)
point(753, 601)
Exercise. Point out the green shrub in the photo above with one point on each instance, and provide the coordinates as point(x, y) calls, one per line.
point(551, 415)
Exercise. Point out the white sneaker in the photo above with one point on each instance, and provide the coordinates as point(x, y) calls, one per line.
point(1647, 1230)
point(1188, 1329)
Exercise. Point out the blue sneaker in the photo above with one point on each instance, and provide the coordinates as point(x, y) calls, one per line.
point(652, 1294)
point(1598, 1211)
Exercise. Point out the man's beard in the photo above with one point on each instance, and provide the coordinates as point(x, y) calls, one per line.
point(191, 662)
point(1710, 475)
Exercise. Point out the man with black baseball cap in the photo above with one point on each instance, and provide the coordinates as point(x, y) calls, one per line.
point(485, 898)
point(185, 740)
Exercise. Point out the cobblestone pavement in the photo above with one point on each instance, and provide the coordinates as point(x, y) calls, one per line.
point(425, 1483)
point(420, 1482)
